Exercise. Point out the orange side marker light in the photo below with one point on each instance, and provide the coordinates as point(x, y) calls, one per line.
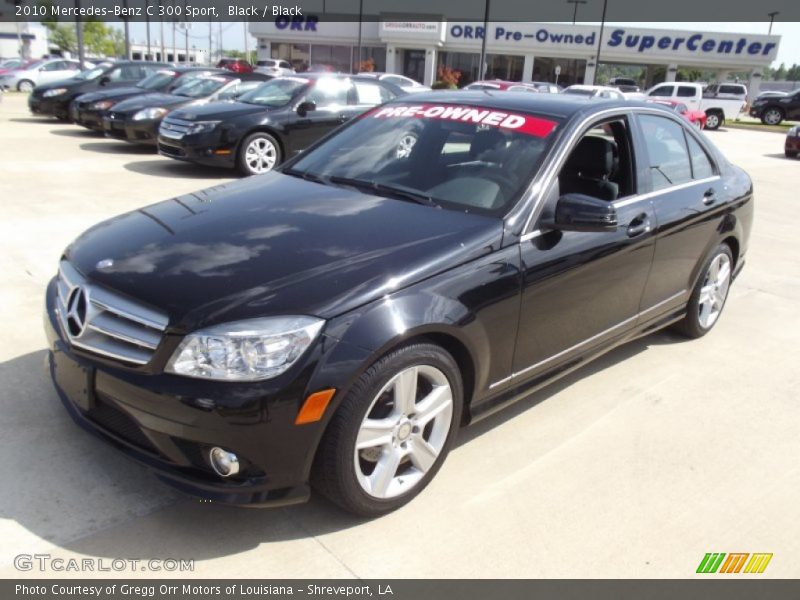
point(314, 407)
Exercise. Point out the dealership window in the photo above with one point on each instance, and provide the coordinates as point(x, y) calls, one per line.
point(498, 66)
point(373, 58)
point(572, 70)
point(331, 58)
point(501, 66)
point(466, 62)
point(298, 55)
point(666, 147)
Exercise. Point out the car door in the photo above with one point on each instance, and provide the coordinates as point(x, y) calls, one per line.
point(330, 97)
point(55, 71)
point(581, 290)
point(688, 199)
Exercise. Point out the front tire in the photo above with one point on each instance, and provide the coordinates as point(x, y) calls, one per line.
point(714, 120)
point(259, 153)
point(772, 116)
point(709, 294)
point(392, 431)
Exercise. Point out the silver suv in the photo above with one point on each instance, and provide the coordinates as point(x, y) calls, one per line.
point(274, 67)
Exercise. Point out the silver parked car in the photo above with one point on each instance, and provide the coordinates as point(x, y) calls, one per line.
point(42, 71)
point(274, 67)
point(408, 85)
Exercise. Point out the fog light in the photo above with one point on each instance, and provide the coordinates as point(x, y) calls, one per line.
point(223, 462)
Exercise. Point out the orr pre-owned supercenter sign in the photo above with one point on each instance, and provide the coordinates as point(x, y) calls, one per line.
point(635, 43)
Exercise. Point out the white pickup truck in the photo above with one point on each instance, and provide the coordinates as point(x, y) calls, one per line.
point(717, 109)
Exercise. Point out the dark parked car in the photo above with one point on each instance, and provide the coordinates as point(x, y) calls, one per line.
point(137, 119)
point(89, 109)
point(270, 123)
point(791, 146)
point(237, 65)
point(773, 110)
point(624, 84)
point(54, 98)
point(338, 320)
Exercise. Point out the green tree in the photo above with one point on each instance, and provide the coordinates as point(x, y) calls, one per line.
point(793, 74)
point(61, 36)
point(780, 73)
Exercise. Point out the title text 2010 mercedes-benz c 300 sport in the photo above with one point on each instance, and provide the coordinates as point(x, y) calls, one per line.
point(331, 325)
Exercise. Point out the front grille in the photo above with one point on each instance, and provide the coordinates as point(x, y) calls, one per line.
point(176, 125)
point(99, 320)
point(171, 150)
point(116, 421)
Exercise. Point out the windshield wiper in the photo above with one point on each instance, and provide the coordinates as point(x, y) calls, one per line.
point(306, 175)
point(384, 190)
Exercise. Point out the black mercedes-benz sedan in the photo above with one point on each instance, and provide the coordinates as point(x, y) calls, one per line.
point(137, 119)
point(332, 324)
point(54, 99)
point(89, 109)
point(270, 123)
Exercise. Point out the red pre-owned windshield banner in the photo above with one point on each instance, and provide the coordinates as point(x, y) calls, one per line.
point(526, 124)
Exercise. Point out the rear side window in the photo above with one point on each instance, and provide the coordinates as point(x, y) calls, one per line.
point(685, 91)
point(664, 90)
point(667, 152)
point(371, 93)
point(329, 92)
point(701, 163)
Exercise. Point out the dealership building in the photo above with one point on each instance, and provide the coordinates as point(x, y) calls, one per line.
point(526, 51)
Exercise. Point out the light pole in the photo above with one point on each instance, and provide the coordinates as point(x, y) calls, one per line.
point(600, 41)
point(482, 63)
point(147, 19)
point(575, 10)
point(357, 67)
point(772, 16)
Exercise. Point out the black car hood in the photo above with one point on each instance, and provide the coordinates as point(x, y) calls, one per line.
point(274, 244)
point(137, 103)
point(113, 94)
point(219, 111)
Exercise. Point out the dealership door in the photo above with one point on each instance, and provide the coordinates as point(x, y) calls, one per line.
point(414, 64)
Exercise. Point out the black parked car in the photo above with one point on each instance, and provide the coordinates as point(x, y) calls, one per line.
point(337, 320)
point(137, 120)
point(54, 98)
point(89, 109)
point(270, 123)
point(775, 109)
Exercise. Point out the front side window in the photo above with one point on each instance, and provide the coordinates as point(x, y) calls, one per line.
point(666, 150)
point(465, 158)
point(664, 90)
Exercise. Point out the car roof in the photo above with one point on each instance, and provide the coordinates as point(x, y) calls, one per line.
point(556, 105)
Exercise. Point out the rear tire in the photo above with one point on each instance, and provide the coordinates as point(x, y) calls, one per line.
point(26, 85)
point(709, 294)
point(392, 431)
point(772, 116)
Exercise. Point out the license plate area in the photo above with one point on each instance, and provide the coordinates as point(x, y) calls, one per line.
point(76, 381)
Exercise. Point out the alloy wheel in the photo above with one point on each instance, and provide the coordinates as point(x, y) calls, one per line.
point(404, 431)
point(260, 155)
point(773, 116)
point(712, 121)
point(714, 290)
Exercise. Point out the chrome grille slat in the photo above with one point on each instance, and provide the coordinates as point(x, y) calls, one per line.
point(114, 326)
point(177, 125)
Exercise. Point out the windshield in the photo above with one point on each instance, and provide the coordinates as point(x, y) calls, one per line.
point(90, 74)
point(157, 81)
point(464, 158)
point(201, 87)
point(276, 92)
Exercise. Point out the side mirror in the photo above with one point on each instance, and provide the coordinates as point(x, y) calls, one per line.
point(104, 80)
point(306, 107)
point(579, 212)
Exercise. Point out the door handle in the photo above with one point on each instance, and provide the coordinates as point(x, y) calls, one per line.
point(640, 225)
point(709, 197)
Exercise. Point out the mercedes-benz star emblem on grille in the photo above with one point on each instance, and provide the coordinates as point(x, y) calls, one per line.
point(106, 263)
point(76, 312)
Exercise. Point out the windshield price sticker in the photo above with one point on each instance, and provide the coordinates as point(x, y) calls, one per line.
point(469, 114)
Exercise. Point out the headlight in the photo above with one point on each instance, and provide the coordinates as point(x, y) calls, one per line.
point(102, 104)
point(250, 350)
point(54, 92)
point(149, 114)
point(202, 127)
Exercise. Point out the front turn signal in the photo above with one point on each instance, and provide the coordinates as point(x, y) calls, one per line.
point(314, 407)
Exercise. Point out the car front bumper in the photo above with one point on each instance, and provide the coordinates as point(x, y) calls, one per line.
point(153, 419)
point(56, 107)
point(86, 117)
point(792, 143)
point(204, 148)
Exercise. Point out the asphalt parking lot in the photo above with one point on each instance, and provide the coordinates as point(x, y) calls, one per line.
point(636, 466)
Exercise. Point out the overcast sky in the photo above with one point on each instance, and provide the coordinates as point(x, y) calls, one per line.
point(233, 34)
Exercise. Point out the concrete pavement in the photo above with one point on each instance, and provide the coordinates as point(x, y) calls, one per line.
point(636, 466)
